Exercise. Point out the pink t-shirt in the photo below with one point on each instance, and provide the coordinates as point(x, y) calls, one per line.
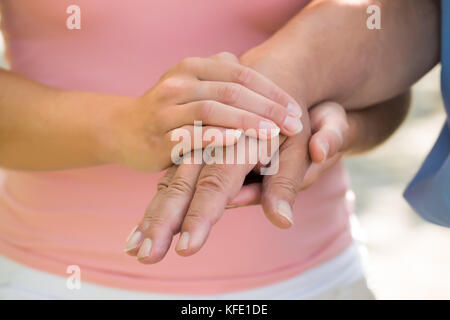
point(50, 220)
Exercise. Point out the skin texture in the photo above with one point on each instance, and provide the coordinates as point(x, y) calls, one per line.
point(49, 129)
point(367, 67)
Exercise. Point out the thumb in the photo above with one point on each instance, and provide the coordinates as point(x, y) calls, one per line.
point(280, 190)
point(330, 131)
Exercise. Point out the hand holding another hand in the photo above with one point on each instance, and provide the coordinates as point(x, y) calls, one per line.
point(218, 91)
point(191, 197)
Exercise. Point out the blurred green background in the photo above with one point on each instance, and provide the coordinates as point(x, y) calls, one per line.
point(407, 258)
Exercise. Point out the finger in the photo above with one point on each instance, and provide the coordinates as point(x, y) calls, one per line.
point(187, 138)
point(225, 67)
point(239, 96)
point(248, 195)
point(217, 184)
point(136, 237)
point(315, 170)
point(225, 56)
point(280, 190)
point(232, 71)
point(329, 123)
point(214, 113)
point(325, 144)
point(165, 219)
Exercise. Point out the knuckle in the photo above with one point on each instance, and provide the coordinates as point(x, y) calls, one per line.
point(214, 181)
point(287, 184)
point(272, 111)
point(195, 217)
point(163, 184)
point(230, 93)
point(277, 95)
point(228, 56)
point(155, 222)
point(170, 86)
point(190, 64)
point(205, 110)
point(244, 75)
point(159, 225)
point(180, 185)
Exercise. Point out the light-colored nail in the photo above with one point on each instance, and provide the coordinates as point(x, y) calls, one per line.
point(284, 209)
point(183, 242)
point(237, 134)
point(132, 232)
point(144, 251)
point(325, 147)
point(134, 241)
point(295, 109)
point(268, 130)
point(338, 133)
point(292, 124)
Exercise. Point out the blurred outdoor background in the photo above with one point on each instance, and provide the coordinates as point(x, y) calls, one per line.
point(407, 257)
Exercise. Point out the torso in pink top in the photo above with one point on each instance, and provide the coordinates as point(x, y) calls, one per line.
point(50, 220)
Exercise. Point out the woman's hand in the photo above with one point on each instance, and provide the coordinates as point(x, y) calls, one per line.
point(218, 91)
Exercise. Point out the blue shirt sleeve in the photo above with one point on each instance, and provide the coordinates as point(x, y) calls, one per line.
point(429, 191)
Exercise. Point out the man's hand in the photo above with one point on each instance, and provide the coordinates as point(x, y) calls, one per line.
point(335, 133)
point(192, 198)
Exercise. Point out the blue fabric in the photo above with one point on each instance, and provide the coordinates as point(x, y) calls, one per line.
point(429, 191)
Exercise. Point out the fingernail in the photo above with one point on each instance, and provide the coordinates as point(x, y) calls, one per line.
point(134, 240)
point(183, 242)
point(292, 124)
point(295, 109)
point(338, 133)
point(237, 134)
point(284, 209)
point(144, 251)
point(325, 147)
point(132, 232)
point(268, 129)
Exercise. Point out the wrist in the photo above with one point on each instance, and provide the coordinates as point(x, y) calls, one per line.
point(320, 60)
point(99, 124)
point(273, 64)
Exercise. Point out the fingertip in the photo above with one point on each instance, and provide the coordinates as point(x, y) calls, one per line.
point(150, 252)
point(317, 151)
point(279, 214)
point(292, 125)
point(190, 242)
point(284, 210)
point(186, 252)
point(324, 147)
point(134, 241)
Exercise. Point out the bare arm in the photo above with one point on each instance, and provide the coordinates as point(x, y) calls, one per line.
point(372, 126)
point(334, 56)
point(45, 128)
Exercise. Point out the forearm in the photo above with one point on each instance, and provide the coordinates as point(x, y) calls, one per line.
point(334, 56)
point(371, 126)
point(42, 128)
